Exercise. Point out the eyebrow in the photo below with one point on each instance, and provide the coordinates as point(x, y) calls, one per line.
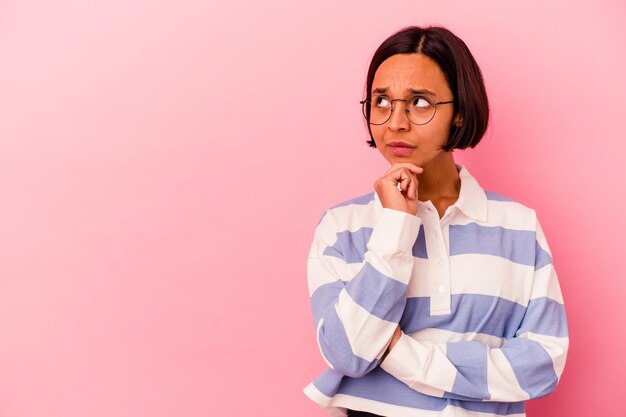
point(413, 91)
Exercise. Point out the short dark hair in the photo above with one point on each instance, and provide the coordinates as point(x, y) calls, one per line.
point(459, 68)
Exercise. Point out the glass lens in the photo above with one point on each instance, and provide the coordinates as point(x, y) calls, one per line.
point(420, 109)
point(380, 109)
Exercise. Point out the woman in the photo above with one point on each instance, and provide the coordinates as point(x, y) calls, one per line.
point(430, 295)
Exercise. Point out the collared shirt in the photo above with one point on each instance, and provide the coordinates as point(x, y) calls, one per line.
point(475, 294)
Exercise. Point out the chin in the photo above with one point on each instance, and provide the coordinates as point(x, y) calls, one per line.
point(392, 159)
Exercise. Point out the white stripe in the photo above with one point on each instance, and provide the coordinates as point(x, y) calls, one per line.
point(501, 380)
point(355, 216)
point(546, 284)
point(319, 345)
point(510, 215)
point(475, 274)
point(368, 335)
point(324, 401)
point(491, 275)
point(324, 270)
point(413, 362)
point(398, 266)
point(446, 336)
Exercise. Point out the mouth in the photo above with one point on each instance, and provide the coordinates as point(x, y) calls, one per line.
point(400, 148)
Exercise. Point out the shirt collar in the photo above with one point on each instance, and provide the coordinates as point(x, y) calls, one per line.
point(472, 199)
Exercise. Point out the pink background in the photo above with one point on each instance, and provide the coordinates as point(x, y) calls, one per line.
point(163, 166)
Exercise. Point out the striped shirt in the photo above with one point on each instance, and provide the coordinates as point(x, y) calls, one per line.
point(475, 293)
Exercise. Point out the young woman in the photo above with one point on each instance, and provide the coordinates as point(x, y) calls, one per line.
point(430, 295)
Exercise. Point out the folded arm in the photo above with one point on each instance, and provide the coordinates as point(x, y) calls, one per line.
point(355, 320)
point(526, 366)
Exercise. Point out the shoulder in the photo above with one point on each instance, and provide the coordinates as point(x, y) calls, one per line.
point(362, 199)
point(508, 212)
point(357, 208)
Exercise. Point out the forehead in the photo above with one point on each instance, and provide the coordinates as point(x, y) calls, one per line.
point(403, 72)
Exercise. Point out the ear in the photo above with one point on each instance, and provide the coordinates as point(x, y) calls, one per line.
point(458, 120)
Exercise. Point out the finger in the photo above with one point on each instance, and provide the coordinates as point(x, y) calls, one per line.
point(411, 191)
point(412, 187)
point(409, 165)
point(404, 180)
point(399, 171)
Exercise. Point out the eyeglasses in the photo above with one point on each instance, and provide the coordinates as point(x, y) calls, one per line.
point(419, 109)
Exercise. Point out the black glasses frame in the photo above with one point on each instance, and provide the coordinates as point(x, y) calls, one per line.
point(369, 101)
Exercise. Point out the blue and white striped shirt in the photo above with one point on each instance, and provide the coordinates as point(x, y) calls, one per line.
point(475, 293)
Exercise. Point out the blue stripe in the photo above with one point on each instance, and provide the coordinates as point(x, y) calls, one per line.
point(542, 258)
point(507, 408)
point(380, 295)
point(479, 313)
point(328, 382)
point(545, 316)
point(360, 200)
point(497, 197)
point(419, 247)
point(336, 347)
point(515, 245)
point(380, 386)
point(350, 246)
point(324, 298)
point(532, 366)
point(470, 360)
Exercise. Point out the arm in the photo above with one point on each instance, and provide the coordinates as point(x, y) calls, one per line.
point(527, 366)
point(355, 320)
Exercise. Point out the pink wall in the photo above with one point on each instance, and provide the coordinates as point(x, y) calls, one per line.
point(163, 166)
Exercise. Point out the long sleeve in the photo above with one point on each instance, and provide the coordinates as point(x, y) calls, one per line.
point(526, 366)
point(355, 314)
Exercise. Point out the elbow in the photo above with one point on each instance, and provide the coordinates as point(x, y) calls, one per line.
point(546, 384)
point(354, 367)
point(549, 385)
point(347, 364)
point(339, 353)
point(341, 359)
point(544, 389)
point(553, 374)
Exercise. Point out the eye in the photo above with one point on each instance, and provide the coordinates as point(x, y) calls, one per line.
point(381, 101)
point(420, 102)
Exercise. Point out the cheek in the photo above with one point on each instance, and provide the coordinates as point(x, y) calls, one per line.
point(377, 133)
point(437, 132)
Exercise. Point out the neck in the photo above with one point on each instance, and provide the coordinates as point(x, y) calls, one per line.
point(440, 179)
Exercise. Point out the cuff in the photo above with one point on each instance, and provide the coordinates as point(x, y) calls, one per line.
point(419, 366)
point(390, 247)
point(394, 232)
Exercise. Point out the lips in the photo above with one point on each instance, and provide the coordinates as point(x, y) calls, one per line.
point(400, 148)
point(400, 144)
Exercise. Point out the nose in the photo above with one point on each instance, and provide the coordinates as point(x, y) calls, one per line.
point(399, 120)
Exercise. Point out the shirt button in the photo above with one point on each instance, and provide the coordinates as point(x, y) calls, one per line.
point(441, 288)
point(440, 262)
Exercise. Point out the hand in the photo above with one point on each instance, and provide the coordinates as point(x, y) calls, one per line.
point(394, 339)
point(405, 198)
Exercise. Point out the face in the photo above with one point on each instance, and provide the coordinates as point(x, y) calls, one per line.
point(395, 78)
